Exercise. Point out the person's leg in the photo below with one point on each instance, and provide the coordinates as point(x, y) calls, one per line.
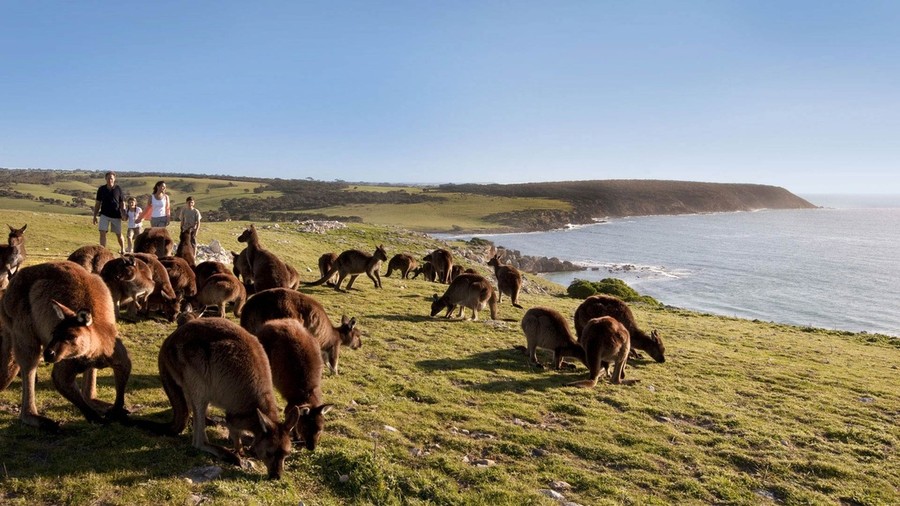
point(103, 226)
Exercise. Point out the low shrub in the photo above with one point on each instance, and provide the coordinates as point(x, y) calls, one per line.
point(582, 289)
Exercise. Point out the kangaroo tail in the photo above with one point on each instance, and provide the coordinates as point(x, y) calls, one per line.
point(584, 383)
point(323, 279)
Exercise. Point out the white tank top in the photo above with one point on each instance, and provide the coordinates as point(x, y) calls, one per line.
point(159, 206)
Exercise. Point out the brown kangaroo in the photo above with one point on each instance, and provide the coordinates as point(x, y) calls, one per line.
point(155, 240)
point(219, 290)
point(182, 278)
point(296, 361)
point(12, 254)
point(266, 269)
point(471, 291)
point(92, 257)
point(546, 328)
point(163, 292)
point(353, 263)
point(426, 270)
point(607, 305)
point(326, 262)
point(403, 263)
point(442, 261)
point(129, 280)
point(185, 248)
point(213, 361)
point(204, 270)
point(605, 341)
point(283, 303)
point(33, 317)
point(509, 280)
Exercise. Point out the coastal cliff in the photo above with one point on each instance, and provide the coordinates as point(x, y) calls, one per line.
point(593, 200)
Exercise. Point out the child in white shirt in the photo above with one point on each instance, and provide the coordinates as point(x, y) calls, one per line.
point(134, 222)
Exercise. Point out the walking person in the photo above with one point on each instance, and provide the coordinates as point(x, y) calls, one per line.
point(134, 212)
point(109, 205)
point(190, 220)
point(158, 206)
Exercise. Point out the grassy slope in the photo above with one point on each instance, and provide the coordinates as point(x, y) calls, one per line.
point(741, 413)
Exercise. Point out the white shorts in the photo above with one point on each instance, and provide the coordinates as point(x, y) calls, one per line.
point(105, 223)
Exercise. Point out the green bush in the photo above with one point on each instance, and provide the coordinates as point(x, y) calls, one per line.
point(581, 289)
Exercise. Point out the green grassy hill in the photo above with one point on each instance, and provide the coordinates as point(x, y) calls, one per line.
point(742, 412)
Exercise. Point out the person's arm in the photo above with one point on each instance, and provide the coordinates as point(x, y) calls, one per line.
point(197, 226)
point(147, 211)
point(168, 208)
point(96, 210)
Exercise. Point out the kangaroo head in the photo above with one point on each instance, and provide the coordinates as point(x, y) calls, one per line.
point(437, 304)
point(16, 235)
point(248, 234)
point(494, 261)
point(310, 424)
point(380, 253)
point(658, 350)
point(350, 334)
point(272, 442)
point(71, 336)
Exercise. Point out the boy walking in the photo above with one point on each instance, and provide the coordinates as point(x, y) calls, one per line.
point(190, 220)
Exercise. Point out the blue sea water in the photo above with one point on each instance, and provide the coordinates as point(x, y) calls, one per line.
point(835, 267)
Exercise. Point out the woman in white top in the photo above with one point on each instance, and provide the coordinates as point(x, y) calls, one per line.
point(158, 206)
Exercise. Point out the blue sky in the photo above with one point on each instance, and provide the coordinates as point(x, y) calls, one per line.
point(797, 94)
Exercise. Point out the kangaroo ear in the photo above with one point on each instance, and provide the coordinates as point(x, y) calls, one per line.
point(11, 228)
point(434, 297)
point(23, 227)
point(62, 312)
point(654, 334)
point(85, 318)
point(267, 424)
point(304, 410)
point(291, 418)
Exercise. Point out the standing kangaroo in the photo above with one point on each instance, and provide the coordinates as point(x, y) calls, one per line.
point(442, 261)
point(67, 312)
point(353, 263)
point(607, 305)
point(296, 362)
point(509, 280)
point(12, 254)
point(185, 248)
point(605, 341)
point(129, 280)
point(471, 291)
point(326, 262)
point(546, 328)
point(403, 263)
point(283, 303)
point(213, 361)
point(220, 289)
point(266, 269)
point(155, 240)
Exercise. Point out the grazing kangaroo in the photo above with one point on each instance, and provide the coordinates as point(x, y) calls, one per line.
point(605, 341)
point(163, 292)
point(403, 263)
point(442, 261)
point(129, 279)
point(509, 280)
point(213, 361)
point(283, 303)
point(219, 290)
point(182, 278)
point(67, 312)
point(204, 270)
point(12, 254)
point(546, 328)
point(296, 361)
point(185, 248)
point(426, 270)
point(353, 263)
point(326, 262)
point(266, 269)
point(467, 291)
point(607, 305)
point(154, 240)
point(92, 257)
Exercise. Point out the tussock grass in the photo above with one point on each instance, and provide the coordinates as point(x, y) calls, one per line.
point(742, 412)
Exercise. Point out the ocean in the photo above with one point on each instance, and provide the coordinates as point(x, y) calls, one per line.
point(836, 267)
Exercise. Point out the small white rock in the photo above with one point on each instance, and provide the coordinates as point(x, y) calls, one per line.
point(344, 478)
point(560, 485)
point(390, 429)
point(553, 494)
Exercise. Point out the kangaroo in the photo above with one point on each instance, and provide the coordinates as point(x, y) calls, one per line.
point(326, 262)
point(284, 303)
point(509, 280)
point(426, 270)
point(68, 312)
point(456, 270)
point(353, 263)
point(182, 278)
point(92, 257)
point(605, 341)
point(240, 267)
point(219, 290)
point(546, 328)
point(185, 248)
point(266, 269)
point(129, 279)
point(442, 261)
point(403, 263)
point(213, 361)
point(163, 292)
point(155, 240)
point(296, 362)
point(204, 270)
point(12, 255)
point(607, 305)
point(467, 290)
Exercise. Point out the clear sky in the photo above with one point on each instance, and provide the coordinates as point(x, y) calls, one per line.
point(799, 94)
